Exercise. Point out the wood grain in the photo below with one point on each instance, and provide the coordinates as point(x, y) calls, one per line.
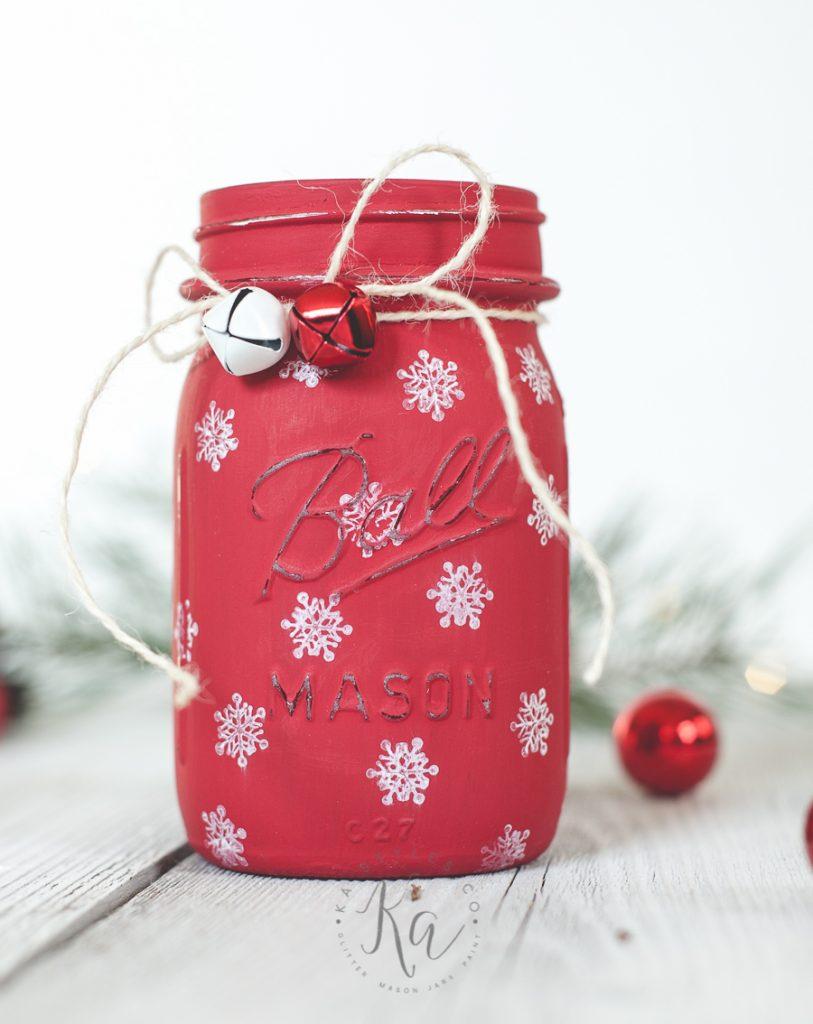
point(87, 819)
point(643, 910)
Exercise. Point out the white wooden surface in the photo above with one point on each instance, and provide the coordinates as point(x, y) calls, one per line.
point(699, 909)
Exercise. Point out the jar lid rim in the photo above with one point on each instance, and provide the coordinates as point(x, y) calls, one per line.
point(337, 197)
point(356, 184)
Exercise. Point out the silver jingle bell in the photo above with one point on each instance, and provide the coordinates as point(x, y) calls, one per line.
point(248, 331)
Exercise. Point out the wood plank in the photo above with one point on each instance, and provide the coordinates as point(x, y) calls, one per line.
point(88, 819)
point(642, 910)
point(699, 908)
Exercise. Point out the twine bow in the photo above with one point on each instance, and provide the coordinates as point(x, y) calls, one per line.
point(442, 304)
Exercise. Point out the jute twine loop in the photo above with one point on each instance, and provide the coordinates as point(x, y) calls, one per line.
point(440, 304)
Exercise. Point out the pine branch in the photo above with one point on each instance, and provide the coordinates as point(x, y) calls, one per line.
point(691, 621)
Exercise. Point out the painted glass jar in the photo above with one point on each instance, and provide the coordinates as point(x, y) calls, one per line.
point(373, 600)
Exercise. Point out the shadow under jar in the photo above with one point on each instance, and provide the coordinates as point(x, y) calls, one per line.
point(373, 600)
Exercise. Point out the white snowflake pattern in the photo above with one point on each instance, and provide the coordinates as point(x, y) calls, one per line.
point(306, 373)
point(460, 595)
point(240, 730)
point(506, 850)
point(370, 532)
point(223, 839)
point(431, 385)
point(316, 627)
point(403, 773)
point(186, 629)
point(534, 374)
point(533, 722)
point(215, 436)
point(540, 519)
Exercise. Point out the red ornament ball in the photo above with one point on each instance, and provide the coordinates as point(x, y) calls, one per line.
point(809, 833)
point(667, 742)
point(5, 705)
point(333, 325)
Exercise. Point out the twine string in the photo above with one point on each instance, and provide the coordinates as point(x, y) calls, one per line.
point(444, 304)
point(535, 481)
point(485, 214)
point(214, 286)
point(426, 288)
point(186, 684)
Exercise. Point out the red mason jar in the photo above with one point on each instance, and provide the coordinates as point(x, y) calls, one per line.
point(374, 602)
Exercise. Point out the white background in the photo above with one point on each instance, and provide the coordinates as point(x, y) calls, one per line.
point(670, 145)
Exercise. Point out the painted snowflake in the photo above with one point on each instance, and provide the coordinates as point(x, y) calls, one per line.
point(240, 730)
point(402, 773)
point(215, 436)
point(506, 850)
point(186, 629)
point(431, 385)
point(533, 722)
point(370, 521)
point(460, 595)
point(306, 373)
point(223, 839)
point(541, 519)
point(316, 627)
point(534, 374)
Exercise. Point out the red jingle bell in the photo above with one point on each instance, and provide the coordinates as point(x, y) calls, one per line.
point(666, 741)
point(333, 325)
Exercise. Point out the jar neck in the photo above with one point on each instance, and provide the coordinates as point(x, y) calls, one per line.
point(280, 235)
